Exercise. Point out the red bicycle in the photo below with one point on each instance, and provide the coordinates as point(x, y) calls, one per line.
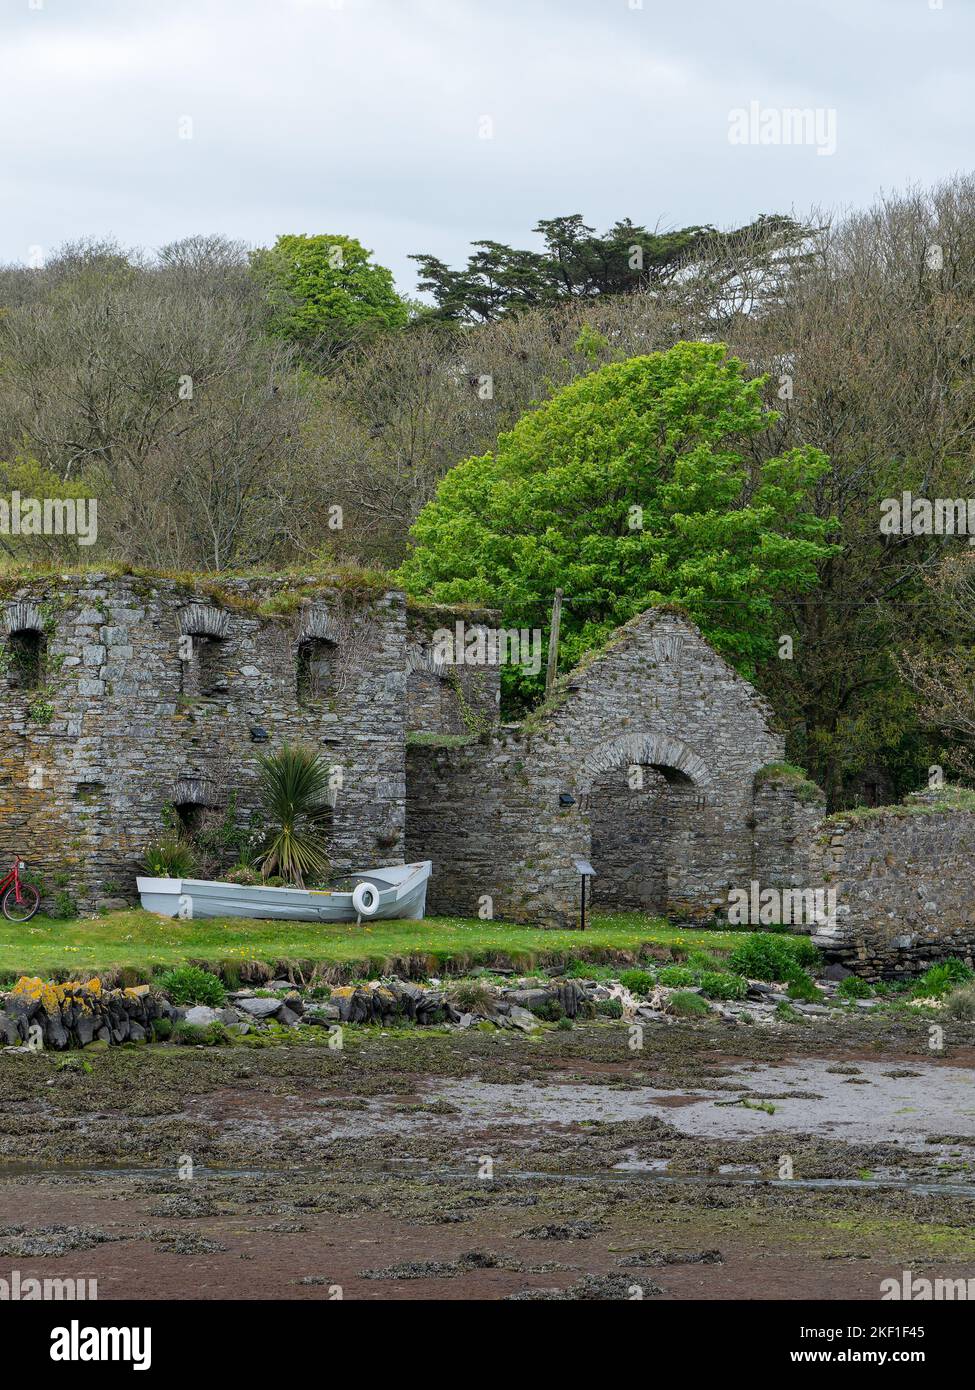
point(20, 900)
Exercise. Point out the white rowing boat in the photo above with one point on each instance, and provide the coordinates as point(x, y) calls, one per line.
point(397, 891)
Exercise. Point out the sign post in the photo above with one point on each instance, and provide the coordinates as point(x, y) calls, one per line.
point(585, 871)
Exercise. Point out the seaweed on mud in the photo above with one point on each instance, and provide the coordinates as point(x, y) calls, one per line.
point(568, 1230)
point(184, 1243)
point(22, 1242)
point(612, 1288)
point(644, 1259)
point(434, 1269)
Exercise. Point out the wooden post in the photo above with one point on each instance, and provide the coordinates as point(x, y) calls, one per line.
point(553, 642)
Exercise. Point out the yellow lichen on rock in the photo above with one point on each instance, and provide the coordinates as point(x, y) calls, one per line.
point(52, 996)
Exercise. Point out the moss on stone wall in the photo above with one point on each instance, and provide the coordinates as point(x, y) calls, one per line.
point(795, 777)
point(417, 739)
point(926, 803)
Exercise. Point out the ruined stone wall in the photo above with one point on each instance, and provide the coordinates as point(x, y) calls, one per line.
point(490, 820)
point(507, 817)
point(151, 691)
point(122, 724)
point(463, 697)
point(904, 884)
point(788, 812)
point(660, 697)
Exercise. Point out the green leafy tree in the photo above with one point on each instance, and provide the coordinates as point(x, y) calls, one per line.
point(327, 288)
point(629, 489)
point(578, 263)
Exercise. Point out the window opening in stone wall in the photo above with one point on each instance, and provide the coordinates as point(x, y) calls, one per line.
point(190, 817)
point(205, 671)
point(27, 654)
point(315, 668)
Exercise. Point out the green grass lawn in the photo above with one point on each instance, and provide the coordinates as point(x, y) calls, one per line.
point(144, 942)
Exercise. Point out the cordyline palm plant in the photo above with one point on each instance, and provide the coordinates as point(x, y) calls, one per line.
point(294, 795)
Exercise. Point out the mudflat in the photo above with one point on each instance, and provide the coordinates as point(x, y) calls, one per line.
point(716, 1162)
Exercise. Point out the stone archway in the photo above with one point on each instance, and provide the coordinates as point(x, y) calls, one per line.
point(26, 646)
point(645, 797)
point(656, 750)
point(204, 631)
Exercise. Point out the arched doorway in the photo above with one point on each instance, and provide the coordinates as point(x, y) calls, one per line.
point(631, 818)
point(653, 844)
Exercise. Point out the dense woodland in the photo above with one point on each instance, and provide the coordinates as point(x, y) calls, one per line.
point(287, 408)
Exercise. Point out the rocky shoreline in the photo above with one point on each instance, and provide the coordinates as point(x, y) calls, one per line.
point(40, 1014)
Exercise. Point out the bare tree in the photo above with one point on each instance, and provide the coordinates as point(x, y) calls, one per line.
point(158, 387)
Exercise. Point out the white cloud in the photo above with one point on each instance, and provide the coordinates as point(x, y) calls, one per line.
point(310, 115)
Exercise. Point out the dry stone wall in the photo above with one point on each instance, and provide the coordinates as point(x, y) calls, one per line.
point(788, 813)
point(489, 817)
point(905, 890)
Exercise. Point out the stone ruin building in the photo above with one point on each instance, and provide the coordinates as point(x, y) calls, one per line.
point(123, 696)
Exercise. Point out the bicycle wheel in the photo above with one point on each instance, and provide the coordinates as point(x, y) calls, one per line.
point(20, 911)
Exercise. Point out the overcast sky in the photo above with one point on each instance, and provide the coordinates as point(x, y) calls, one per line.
point(368, 117)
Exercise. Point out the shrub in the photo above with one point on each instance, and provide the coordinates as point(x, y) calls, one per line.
point(609, 1008)
point(687, 1005)
point(294, 789)
point(805, 952)
point(853, 987)
point(550, 1010)
point(718, 985)
point(161, 1029)
point(191, 1035)
point(771, 956)
point(188, 984)
point(706, 960)
point(169, 857)
point(802, 987)
point(637, 981)
point(229, 973)
point(472, 997)
point(243, 874)
point(578, 970)
point(74, 1062)
point(942, 978)
point(887, 988)
point(677, 976)
point(960, 1005)
point(564, 1025)
point(64, 906)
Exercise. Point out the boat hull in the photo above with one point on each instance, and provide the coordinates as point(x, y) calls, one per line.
point(401, 889)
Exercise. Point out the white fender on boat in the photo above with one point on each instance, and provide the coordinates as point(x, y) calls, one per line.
point(365, 899)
